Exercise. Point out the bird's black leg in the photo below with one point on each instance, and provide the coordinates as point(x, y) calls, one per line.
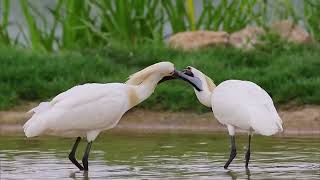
point(73, 153)
point(86, 156)
point(248, 152)
point(233, 152)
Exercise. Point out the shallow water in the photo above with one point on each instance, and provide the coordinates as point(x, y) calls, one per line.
point(154, 156)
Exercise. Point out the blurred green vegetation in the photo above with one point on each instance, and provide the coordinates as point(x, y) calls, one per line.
point(93, 23)
point(288, 72)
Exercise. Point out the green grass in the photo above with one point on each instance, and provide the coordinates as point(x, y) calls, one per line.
point(289, 73)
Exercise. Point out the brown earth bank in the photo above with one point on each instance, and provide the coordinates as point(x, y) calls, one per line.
point(297, 120)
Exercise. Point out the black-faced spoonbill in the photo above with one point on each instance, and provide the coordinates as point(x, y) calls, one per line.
point(238, 104)
point(86, 110)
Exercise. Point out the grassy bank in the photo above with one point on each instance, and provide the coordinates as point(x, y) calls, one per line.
point(289, 73)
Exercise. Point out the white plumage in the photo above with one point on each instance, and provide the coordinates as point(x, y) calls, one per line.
point(83, 110)
point(238, 104)
point(245, 105)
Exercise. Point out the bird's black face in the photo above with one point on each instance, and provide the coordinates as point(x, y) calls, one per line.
point(189, 77)
point(188, 71)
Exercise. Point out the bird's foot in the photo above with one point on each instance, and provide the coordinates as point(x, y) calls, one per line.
point(75, 162)
point(85, 165)
point(247, 157)
point(233, 154)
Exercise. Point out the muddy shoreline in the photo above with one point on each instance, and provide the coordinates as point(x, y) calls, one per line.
point(299, 120)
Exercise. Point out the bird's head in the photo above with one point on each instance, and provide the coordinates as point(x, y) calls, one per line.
point(165, 71)
point(158, 70)
point(176, 74)
point(205, 81)
point(194, 73)
point(205, 84)
point(164, 68)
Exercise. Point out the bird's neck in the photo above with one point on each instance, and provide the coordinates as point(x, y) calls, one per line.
point(204, 96)
point(142, 91)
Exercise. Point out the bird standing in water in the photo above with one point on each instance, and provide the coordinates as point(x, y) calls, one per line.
point(86, 110)
point(237, 104)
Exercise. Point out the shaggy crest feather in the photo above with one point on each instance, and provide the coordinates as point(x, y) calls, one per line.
point(210, 83)
point(138, 77)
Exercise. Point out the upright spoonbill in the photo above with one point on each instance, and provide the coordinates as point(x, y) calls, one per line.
point(86, 110)
point(238, 104)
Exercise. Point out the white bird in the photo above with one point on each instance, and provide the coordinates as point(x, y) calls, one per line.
point(238, 104)
point(86, 110)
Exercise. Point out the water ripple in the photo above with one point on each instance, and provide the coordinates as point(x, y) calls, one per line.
point(156, 158)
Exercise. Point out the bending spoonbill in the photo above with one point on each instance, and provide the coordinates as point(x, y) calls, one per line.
point(86, 110)
point(238, 104)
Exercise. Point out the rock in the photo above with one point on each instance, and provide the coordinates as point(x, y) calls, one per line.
point(290, 31)
point(198, 39)
point(246, 38)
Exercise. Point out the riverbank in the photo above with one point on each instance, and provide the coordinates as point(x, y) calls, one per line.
point(299, 120)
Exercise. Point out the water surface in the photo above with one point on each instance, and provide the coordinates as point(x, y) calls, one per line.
point(155, 156)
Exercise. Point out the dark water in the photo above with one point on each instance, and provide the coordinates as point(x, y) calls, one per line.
point(173, 156)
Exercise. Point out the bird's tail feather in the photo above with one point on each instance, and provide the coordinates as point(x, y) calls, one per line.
point(279, 124)
point(36, 125)
point(265, 121)
point(33, 127)
point(42, 107)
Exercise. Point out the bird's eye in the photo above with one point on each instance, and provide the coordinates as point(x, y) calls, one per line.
point(189, 72)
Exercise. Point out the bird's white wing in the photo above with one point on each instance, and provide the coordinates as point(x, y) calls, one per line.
point(83, 108)
point(264, 116)
point(264, 119)
point(245, 104)
point(101, 113)
point(80, 90)
point(80, 93)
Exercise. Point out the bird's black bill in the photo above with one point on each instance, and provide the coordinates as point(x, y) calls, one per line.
point(194, 81)
point(172, 77)
point(167, 78)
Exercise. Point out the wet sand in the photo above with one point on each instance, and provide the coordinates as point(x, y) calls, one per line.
point(298, 120)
